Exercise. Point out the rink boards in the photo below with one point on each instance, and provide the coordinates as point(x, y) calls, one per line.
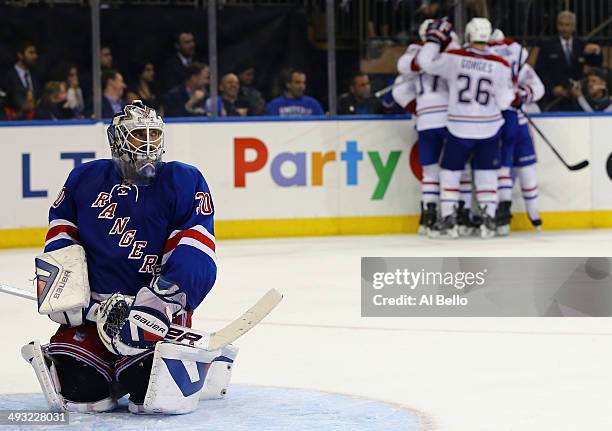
point(298, 178)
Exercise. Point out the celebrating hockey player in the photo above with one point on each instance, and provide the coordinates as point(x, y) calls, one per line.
point(518, 151)
point(133, 240)
point(431, 109)
point(480, 87)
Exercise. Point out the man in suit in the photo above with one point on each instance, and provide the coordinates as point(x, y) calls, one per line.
point(560, 63)
point(173, 72)
point(113, 87)
point(22, 77)
point(189, 97)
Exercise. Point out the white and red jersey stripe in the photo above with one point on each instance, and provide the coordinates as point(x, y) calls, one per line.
point(197, 236)
point(62, 229)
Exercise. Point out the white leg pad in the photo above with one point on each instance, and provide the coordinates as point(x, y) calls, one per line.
point(178, 375)
point(46, 375)
point(49, 383)
point(219, 374)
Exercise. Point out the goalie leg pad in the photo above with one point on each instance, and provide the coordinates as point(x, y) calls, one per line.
point(46, 374)
point(177, 377)
point(219, 374)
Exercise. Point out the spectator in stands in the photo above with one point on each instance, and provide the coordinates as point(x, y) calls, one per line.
point(593, 95)
point(560, 62)
point(294, 103)
point(3, 103)
point(23, 76)
point(144, 88)
point(359, 100)
point(69, 74)
point(53, 105)
point(106, 58)
point(175, 66)
point(246, 75)
point(113, 87)
point(189, 98)
point(233, 104)
point(21, 107)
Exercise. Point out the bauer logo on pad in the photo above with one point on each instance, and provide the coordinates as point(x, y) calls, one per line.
point(45, 276)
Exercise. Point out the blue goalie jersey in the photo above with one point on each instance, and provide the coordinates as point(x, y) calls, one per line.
point(132, 233)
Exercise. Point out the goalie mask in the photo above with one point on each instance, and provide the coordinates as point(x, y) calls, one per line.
point(136, 138)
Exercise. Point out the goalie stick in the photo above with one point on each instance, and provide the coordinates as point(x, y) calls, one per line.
point(200, 339)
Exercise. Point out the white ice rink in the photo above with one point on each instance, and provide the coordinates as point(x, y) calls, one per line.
point(540, 374)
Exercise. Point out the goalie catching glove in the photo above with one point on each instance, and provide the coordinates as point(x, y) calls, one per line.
point(129, 326)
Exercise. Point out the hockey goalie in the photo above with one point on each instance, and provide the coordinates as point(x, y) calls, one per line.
point(130, 250)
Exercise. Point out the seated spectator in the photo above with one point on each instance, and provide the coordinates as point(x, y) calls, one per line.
point(143, 89)
point(173, 72)
point(113, 87)
point(294, 103)
point(248, 92)
point(189, 98)
point(21, 107)
point(560, 62)
point(233, 104)
point(53, 105)
point(593, 94)
point(23, 75)
point(69, 74)
point(3, 103)
point(359, 99)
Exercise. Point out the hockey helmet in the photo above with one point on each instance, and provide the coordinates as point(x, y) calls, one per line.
point(136, 138)
point(497, 35)
point(478, 30)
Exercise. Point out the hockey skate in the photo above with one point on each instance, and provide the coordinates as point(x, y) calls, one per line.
point(503, 217)
point(488, 228)
point(445, 228)
point(430, 216)
point(465, 226)
point(537, 224)
point(422, 228)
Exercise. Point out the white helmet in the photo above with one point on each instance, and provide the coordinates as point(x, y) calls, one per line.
point(136, 138)
point(423, 28)
point(497, 35)
point(478, 30)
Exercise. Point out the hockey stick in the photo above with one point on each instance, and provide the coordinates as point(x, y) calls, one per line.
point(581, 165)
point(389, 88)
point(199, 339)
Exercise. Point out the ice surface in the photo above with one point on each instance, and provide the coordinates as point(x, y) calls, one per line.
point(245, 408)
point(480, 374)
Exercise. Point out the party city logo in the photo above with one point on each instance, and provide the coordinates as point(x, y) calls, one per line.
point(251, 156)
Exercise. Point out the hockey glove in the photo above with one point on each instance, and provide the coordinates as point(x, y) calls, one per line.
point(128, 328)
point(439, 32)
point(523, 95)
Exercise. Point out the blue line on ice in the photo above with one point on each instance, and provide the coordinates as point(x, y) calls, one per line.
point(245, 408)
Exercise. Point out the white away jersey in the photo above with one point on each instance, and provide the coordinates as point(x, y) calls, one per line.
point(514, 53)
point(431, 91)
point(480, 87)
